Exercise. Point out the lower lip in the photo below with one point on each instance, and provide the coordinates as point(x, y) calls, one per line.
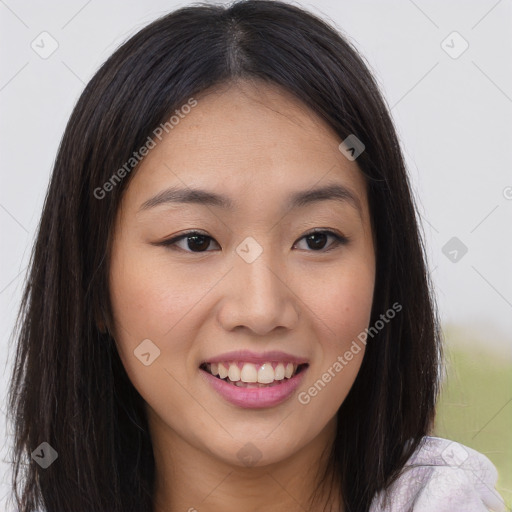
point(255, 398)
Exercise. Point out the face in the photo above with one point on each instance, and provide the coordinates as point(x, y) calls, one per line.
point(271, 284)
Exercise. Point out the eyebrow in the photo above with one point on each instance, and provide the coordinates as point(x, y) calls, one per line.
point(336, 192)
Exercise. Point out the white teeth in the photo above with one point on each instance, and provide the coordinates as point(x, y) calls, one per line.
point(279, 372)
point(252, 373)
point(223, 371)
point(266, 374)
point(234, 372)
point(249, 373)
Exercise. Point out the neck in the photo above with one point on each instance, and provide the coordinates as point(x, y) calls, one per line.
point(188, 479)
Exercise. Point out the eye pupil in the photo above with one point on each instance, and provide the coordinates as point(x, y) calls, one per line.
point(312, 236)
point(202, 238)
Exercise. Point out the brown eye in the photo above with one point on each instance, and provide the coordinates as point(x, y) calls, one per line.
point(317, 240)
point(195, 241)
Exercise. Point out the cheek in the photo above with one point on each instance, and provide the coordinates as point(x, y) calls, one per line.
point(343, 303)
point(342, 307)
point(150, 300)
point(149, 296)
point(146, 304)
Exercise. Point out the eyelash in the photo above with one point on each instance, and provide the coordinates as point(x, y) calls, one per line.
point(340, 240)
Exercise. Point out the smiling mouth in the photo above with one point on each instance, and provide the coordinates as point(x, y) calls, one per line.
point(249, 375)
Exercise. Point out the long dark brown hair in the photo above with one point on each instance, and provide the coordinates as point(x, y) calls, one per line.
point(69, 387)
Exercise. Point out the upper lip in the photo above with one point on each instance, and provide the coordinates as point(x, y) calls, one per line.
point(252, 357)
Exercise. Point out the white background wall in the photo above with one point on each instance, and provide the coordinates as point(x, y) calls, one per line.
point(453, 115)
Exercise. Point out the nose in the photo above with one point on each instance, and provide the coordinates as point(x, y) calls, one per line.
point(259, 297)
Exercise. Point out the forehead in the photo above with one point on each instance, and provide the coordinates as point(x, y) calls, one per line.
point(246, 140)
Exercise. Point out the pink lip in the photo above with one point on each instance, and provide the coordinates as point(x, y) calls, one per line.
point(254, 398)
point(247, 356)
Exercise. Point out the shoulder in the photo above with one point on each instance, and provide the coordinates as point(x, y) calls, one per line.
point(443, 476)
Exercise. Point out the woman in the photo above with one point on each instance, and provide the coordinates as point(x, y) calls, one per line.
point(228, 305)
